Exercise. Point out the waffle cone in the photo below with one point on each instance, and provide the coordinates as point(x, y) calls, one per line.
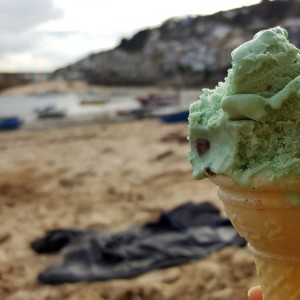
point(265, 217)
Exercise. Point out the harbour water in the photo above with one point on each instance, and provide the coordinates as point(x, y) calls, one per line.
point(108, 105)
point(25, 107)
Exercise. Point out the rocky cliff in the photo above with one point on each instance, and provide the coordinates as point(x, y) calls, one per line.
point(186, 51)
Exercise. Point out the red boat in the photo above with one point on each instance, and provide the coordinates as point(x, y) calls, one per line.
point(157, 100)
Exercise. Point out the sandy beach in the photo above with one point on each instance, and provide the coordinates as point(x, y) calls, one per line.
point(105, 177)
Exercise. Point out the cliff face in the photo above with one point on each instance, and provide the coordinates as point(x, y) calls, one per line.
point(189, 51)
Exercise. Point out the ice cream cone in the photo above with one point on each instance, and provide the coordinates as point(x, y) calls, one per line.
point(267, 218)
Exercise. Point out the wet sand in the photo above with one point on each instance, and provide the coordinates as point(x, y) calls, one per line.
point(108, 177)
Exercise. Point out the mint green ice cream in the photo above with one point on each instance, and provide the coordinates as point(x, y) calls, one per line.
point(249, 125)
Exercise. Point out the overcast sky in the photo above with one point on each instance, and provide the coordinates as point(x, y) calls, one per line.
point(43, 35)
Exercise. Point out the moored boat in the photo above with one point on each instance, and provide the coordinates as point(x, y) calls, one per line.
point(93, 98)
point(172, 114)
point(50, 112)
point(93, 101)
point(157, 100)
point(7, 123)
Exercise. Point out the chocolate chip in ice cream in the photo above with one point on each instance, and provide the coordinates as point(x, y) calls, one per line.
point(209, 172)
point(202, 146)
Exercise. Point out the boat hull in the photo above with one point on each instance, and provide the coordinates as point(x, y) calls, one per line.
point(10, 123)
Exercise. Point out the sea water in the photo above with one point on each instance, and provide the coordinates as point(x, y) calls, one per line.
point(26, 107)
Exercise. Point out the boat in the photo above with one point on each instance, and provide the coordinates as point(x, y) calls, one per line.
point(8, 123)
point(140, 113)
point(50, 112)
point(157, 100)
point(172, 114)
point(93, 102)
point(91, 98)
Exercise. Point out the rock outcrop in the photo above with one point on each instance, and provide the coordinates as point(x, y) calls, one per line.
point(191, 51)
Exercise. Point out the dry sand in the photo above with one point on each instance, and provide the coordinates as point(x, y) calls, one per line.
point(104, 176)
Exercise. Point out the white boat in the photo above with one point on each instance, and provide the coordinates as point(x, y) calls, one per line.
point(50, 112)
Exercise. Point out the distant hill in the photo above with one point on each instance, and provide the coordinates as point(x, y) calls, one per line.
point(184, 51)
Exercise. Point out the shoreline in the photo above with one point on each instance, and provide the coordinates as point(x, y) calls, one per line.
point(42, 95)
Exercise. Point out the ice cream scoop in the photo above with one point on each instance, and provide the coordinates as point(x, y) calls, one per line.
point(245, 136)
point(251, 121)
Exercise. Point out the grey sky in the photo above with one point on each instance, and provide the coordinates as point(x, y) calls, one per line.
point(19, 23)
point(43, 35)
point(17, 16)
